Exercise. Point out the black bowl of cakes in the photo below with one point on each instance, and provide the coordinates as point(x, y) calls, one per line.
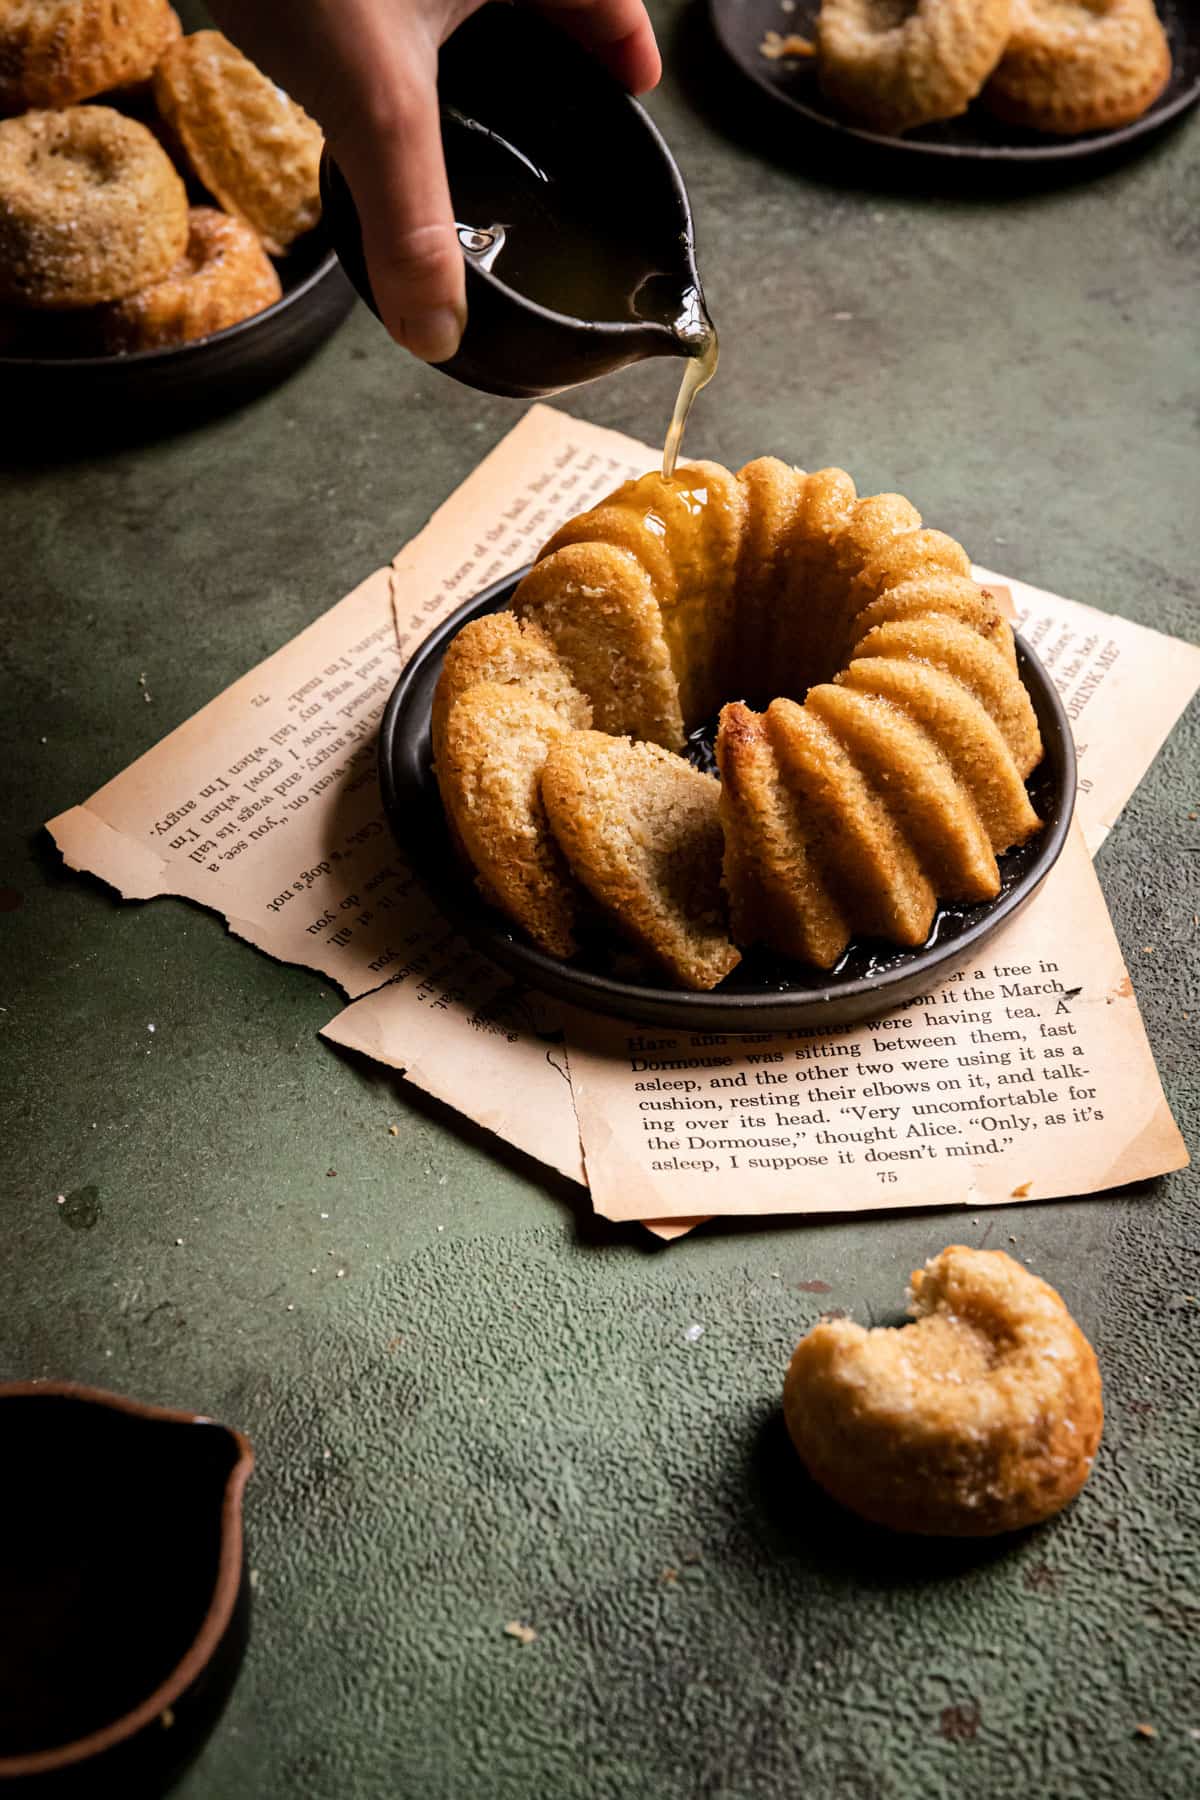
point(160, 219)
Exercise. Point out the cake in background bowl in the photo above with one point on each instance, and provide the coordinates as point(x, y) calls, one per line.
point(101, 253)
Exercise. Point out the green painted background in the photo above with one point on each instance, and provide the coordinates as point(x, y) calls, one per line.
point(494, 1414)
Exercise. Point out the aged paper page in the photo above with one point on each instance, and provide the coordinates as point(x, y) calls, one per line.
point(1123, 686)
point(461, 1030)
point(1025, 1076)
point(265, 806)
point(546, 470)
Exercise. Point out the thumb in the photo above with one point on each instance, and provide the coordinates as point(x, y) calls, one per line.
point(391, 155)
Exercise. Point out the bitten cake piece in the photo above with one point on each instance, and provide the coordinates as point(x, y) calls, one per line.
point(639, 828)
point(982, 1417)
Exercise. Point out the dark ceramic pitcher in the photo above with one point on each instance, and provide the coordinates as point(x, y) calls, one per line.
point(123, 1590)
point(573, 219)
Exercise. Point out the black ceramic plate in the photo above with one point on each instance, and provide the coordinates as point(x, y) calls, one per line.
point(218, 370)
point(742, 25)
point(763, 993)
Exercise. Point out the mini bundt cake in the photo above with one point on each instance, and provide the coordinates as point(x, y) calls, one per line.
point(1080, 65)
point(895, 64)
point(248, 142)
point(223, 277)
point(90, 208)
point(58, 52)
point(886, 777)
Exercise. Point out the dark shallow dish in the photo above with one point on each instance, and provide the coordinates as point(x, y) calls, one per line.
point(763, 993)
point(123, 1590)
point(63, 392)
point(741, 25)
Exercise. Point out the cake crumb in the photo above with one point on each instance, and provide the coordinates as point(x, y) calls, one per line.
point(1021, 1193)
point(776, 47)
point(669, 1574)
point(524, 1634)
point(1145, 1731)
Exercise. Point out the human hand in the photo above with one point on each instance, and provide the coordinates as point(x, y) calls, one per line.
point(367, 72)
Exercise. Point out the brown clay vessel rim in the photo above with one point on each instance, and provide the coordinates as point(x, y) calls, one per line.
point(225, 1589)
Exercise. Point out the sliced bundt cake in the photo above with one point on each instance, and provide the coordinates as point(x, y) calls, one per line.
point(887, 770)
point(501, 649)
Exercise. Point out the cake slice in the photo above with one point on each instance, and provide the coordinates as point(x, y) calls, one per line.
point(641, 831)
point(509, 652)
point(494, 744)
point(597, 606)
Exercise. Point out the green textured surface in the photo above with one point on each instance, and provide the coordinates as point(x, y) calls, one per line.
point(494, 1413)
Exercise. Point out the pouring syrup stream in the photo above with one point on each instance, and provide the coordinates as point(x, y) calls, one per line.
point(695, 331)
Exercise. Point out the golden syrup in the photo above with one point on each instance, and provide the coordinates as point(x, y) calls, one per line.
point(700, 340)
point(553, 241)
